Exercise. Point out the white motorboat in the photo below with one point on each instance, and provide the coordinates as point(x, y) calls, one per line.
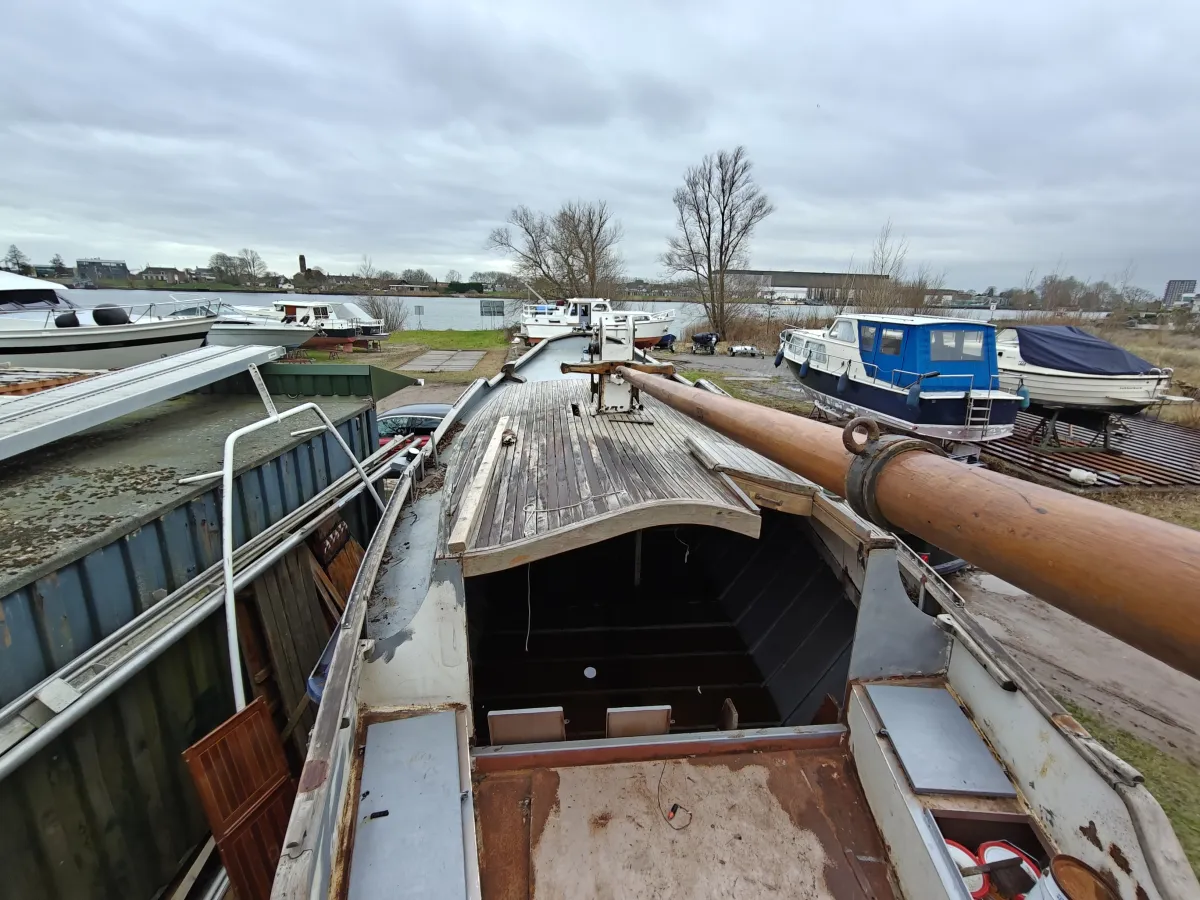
point(1065, 367)
point(237, 328)
point(580, 315)
point(39, 327)
point(336, 322)
point(925, 374)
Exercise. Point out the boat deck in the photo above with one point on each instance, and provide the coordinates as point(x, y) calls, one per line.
point(560, 468)
point(783, 823)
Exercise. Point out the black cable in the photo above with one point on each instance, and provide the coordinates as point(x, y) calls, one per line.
point(675, 808)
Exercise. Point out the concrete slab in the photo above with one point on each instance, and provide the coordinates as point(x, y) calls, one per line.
point(445, 361)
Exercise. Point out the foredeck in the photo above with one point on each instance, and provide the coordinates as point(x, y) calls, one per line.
point(536, 463)
point(762, 824)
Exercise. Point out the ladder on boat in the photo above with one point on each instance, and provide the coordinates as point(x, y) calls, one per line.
point(979, 410)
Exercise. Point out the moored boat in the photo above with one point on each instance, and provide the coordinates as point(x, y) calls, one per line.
point(1065, 367)
point(237, 328)
point(932, 376)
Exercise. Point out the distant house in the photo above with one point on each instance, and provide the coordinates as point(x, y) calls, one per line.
point(403, 287)
point(45, 271)
point(162, 273)
point(101, 269)
point(203, 274)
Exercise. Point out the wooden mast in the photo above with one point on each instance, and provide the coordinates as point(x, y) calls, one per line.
point(1134, 577)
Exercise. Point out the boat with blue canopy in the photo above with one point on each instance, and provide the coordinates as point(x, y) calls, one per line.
point(928, 375)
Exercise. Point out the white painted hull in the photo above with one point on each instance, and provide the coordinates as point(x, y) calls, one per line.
point(267, 335)
point(534, 332)
point(99, 347)
point(1112, 393)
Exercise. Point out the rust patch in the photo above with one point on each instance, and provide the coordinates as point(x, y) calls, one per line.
point(1093, 836)
point(1119, 858)
point(599, 821)
point(502, 817)
point(1066, 722)
point(313, 776)
point(543, 802)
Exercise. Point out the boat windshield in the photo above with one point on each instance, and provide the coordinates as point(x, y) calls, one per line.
point(35, 298)
point(960, 345)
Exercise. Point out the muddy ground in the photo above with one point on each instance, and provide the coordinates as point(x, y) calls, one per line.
point(1080, 663)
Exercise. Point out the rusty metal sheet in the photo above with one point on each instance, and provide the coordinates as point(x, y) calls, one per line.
point(241, 776)
point(1153, 453)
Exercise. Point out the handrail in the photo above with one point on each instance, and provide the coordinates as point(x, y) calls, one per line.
point(1128, 575)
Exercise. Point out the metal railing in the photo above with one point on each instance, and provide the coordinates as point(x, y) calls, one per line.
point(226, 475)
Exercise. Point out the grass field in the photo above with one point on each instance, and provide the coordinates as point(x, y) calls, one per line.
point(1174, 784)
point(451, 340)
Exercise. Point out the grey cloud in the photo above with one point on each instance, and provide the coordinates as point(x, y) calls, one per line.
point(996, 138)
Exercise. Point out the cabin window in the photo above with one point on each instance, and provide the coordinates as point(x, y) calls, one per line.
point(843, 330)
point(321, 312)
point(963, 345)
point(890, 341)
point(866, 338)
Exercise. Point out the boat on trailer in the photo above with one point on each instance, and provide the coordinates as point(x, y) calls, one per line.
point(336, 322)
point(614, 652)
point(931, 376)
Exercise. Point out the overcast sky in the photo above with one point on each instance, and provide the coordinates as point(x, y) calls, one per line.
point(998, 137)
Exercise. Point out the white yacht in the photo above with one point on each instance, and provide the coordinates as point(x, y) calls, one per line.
point(40, 327)
point(580, 315)
point(1065, 367)
point(335, 321)
point(235, 327)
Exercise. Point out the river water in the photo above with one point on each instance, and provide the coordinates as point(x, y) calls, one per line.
point(462, 313)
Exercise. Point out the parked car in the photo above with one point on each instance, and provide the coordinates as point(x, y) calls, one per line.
point(420, 419)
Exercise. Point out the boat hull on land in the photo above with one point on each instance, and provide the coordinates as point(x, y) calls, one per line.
point(97, 346)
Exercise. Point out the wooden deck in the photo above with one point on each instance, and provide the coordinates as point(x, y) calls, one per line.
point(748, 825)
point(555, 468)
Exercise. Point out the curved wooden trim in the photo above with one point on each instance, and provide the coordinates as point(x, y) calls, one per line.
point(612, 524)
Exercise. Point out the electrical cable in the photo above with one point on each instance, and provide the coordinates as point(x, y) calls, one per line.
point(669, 817)
point(528, 603)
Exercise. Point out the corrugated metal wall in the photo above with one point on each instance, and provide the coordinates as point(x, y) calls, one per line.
point(109, 809)
point(52, 620)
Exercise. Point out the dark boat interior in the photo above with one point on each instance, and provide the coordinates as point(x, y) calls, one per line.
point(688, 616)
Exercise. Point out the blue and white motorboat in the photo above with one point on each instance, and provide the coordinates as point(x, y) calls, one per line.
point(932, 376)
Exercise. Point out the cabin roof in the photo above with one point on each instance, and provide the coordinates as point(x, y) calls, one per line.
point(78, 494)
point(915, 320)
point(567, 480)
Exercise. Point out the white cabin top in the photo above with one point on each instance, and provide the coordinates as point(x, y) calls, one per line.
point(914, 320)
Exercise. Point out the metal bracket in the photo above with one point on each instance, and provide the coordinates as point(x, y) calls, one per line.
point(870, 459)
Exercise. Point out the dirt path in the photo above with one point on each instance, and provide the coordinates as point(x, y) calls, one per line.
point(1080, 663)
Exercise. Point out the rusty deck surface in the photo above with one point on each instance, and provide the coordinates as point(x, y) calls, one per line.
point(1155, 454)
point(788, 823)
point(567, 467)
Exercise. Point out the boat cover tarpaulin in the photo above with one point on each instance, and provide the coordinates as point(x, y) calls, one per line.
point(1072, 349)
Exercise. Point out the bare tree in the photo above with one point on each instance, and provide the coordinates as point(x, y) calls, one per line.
point(57, 261)
point(453, 276)
point(250, 264)
point(570, 254)
point(15, 259)
point(224, 266)
point(878, 289)
point(367, 272)
point(392, 311)
point(717, 210)
point(416, 276)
